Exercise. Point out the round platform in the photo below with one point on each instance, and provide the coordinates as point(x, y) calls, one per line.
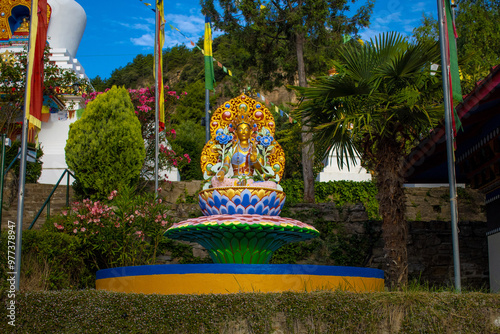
point(234, 278)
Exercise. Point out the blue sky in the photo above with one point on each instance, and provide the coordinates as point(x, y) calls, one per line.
point(117, 31)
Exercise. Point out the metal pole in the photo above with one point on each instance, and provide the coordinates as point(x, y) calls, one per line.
point(157, 98)
point(207, 116)
point(2, 166)
point(24, 150)
point(67, 189)
point(449, 143)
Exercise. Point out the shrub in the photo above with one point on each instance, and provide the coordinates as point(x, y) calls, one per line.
point(126, 231)
point(50, 261)
point(105, 148)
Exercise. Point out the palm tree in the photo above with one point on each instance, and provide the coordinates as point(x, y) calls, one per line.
point(382, 99)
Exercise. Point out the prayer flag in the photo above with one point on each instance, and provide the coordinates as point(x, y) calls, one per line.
point(209, 63)
point(34, 80)
point(452, 61)
point(229, 72)
point(160, 33)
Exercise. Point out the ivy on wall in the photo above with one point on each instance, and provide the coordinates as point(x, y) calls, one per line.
point(340, 192)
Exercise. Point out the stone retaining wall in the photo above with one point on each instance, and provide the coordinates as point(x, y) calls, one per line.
point(428, 214)
point(430, 254)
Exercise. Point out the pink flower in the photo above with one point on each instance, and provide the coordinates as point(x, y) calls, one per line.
point(75, 230)
point(75, 222)
point(65, 213)
point(83, 229)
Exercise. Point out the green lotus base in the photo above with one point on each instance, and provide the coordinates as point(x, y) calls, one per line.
point(234, 241)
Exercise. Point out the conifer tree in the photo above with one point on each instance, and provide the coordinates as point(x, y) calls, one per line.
point(105, 148)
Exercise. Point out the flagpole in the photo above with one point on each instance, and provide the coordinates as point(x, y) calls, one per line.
point(209, 74)
point(24, 148)
point(445, 65)
point(207, 116)
point(157, 97)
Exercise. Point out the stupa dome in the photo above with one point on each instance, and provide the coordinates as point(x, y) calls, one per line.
point(66, 26)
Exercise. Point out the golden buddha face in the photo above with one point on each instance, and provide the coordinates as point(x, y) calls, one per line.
point(243, 131)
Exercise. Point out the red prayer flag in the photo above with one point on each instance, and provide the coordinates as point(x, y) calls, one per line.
point(36, 101)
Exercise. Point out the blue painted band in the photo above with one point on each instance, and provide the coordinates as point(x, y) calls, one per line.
point(255, 269)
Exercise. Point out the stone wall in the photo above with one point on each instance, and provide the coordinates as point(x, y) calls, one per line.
point(428, 213)
point(430, 254)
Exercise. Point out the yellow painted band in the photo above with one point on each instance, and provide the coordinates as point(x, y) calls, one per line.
point(233, 283)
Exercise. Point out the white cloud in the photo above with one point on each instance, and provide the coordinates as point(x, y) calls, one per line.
point(144, 40)
point(137, 26)
point(418, 7)
point(189, 25)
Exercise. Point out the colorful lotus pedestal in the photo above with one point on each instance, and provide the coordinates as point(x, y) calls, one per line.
point(241, 226)
point(248, 239)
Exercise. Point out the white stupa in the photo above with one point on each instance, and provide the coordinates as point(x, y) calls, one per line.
point(66, 27)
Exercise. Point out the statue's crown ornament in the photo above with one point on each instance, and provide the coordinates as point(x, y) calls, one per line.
point(244, 116)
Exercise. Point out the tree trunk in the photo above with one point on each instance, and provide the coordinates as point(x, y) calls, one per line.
point(307, 145)
point(392, 208)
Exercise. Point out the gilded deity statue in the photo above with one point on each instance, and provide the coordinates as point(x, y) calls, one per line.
point(245, 147)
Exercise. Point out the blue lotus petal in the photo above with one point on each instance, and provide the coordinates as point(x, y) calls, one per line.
point(251, 210)
point(254, 200)
point(266, 210)
point(272, 199)
point(266, 201)
point(217, 199)
point(245, 197)
point(224, 200)
point(210, 202)
point(259, 208)
point(240, 209)
point(237, 199)
point(231, 208)
point(223, 210)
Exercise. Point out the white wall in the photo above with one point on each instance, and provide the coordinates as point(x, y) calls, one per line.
point(494, 260)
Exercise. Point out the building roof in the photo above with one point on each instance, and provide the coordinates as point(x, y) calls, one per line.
point(478, 145)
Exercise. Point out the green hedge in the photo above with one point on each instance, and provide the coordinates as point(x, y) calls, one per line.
point(50, 261)
point(340, 192)
point(91, 311)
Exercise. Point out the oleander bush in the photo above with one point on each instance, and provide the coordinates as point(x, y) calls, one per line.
point(125, 230)
point(91, 311)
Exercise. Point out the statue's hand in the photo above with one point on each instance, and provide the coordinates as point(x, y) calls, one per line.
point(220, 175)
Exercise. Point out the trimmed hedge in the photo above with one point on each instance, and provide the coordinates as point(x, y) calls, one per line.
point(92, 311)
